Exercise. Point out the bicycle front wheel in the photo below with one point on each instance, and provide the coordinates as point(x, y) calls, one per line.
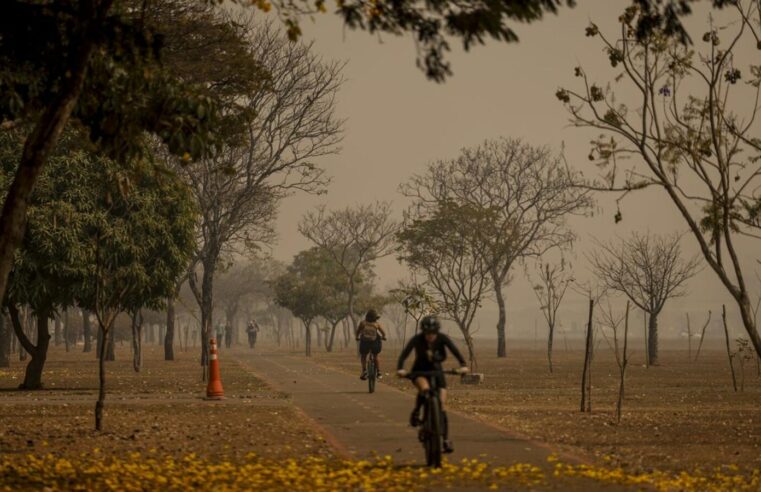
point(433, 443)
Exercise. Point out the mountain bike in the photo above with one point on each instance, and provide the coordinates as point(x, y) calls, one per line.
point(372, 369)
point(432, 430)
point(372, 372)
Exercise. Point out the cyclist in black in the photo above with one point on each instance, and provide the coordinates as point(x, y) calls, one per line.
point(430, 351)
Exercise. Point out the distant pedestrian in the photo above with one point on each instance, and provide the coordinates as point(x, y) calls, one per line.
point(252, 330)
point(220, 333)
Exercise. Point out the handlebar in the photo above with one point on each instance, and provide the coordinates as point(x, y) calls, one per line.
point(423, 374)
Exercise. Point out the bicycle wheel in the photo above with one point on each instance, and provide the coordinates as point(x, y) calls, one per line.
point(371, 373)
point(433, 443)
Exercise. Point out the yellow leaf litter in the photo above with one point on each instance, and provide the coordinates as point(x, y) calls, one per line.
point(93, 471)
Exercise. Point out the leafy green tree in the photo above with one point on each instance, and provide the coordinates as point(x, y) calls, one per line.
point(49, 267)
point(437, 243)
point(96, 63)
point(302, 290)
point(140, 237)
point(354, 237)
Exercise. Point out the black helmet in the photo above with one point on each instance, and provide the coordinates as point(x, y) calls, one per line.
point(430, 324)
point(372, 315)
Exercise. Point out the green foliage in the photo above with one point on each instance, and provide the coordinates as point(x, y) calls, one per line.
point(94, 224)
point(126, 93)
point(302, 289)
point(315, 285)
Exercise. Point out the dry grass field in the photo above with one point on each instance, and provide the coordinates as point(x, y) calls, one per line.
point(680, 415)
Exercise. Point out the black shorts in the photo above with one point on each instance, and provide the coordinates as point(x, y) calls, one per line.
point(441, 380)
point(367, 346)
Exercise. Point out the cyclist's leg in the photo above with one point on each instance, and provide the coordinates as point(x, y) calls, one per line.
point(448, 448)
point(376, 353)
point(363, 351)
point(423, 386)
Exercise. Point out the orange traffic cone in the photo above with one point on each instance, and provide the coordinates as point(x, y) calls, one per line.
point(214, 389)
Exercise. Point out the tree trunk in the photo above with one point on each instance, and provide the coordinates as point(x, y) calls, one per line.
point(501, 320)
point(652, 339)
point(623, 362)
point(110, 352)
point(586, 405)
point(550, 337)
point(98, 343)
point(33, 375)
point(137, 344)
point(308, 338)
point(702, 335)
point(729, 351)
point(169, 339)
point(5, 342)
point(332, 337)
point(103, 334)
point(207, 306)
point(57, 337)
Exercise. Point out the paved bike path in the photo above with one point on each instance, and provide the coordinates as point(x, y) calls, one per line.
point(362, 424)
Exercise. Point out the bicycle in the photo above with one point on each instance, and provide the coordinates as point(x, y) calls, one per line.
point(431, 432)
point(372, 370)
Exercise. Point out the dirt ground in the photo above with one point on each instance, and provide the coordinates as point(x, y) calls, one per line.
point(679, 416)
point(159, 411)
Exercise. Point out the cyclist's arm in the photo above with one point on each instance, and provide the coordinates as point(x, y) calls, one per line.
point(380, 330)
point(405, 353)
point(454, 351)
point(359, 329)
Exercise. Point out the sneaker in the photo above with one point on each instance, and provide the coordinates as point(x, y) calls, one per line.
point(363, 376)
point(379, 376)
point(414, 419)
point(448, 448)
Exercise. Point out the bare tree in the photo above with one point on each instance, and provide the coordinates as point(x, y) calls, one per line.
point(439, 246)
point(354, 237)
point(528, 192)
point(685, 131)
point(649, 270)
point(609, 319)
point(553, 284)
point(291, 121)
point(702, 335)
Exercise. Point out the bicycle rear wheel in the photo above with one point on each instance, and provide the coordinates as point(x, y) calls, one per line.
point(371, 374)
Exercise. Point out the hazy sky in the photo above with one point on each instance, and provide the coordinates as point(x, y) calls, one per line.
point(398, 122)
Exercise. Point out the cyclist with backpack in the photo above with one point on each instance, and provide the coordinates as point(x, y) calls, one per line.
point(430, 348)
point(370, 335)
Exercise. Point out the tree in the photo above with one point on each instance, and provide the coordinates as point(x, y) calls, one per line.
point(49, 266)
point(649, 270)
point(301, 290)
point(354, 237)
point(289, 120)
point(688, 140)
point(94, 62)
point(525, 195)
point(139, 237)
point(438, 245)
point(554, 280)
point(610, 320)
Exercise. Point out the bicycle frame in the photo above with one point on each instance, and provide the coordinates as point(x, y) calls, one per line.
point(431, 431)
